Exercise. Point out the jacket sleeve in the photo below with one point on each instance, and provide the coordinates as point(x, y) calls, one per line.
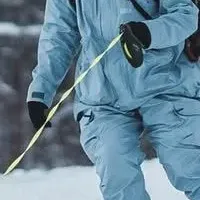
point(178, 23)
point(58, 43)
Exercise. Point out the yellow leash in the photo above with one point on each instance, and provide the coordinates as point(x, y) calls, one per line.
point(64, 96)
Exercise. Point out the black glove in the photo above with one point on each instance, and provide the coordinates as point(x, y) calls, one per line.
point(37, 114)
point(192, 47)
point(136, 37)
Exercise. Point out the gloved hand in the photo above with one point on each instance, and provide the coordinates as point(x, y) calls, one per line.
point(192, 47)
point(136, 37)
point(37, 114)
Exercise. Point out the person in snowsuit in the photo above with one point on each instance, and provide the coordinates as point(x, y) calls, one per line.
point(115, 102)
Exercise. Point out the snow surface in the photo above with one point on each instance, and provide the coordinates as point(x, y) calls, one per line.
point(11, 29)
point(77, 183)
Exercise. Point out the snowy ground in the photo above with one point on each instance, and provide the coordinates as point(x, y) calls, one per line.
point(11, 29)
point(77, 183)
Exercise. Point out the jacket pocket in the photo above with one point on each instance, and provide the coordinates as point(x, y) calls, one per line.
point(191, 140)
point(89, 137)
point(189, 110)
point(187, 107)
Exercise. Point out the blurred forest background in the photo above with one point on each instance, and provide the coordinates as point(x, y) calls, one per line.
point(20, 24)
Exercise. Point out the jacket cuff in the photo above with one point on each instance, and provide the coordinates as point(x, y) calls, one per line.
point(41, 91)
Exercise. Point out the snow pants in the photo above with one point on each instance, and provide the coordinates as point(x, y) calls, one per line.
point(110, 138)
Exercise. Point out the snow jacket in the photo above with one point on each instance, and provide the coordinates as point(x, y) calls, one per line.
point(113, 82)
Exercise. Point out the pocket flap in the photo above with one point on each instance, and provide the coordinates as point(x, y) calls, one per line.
point(192, 139)
point(187, 107)
point(87, 117)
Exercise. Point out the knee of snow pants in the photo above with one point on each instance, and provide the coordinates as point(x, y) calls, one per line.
point(111, 141)
point(173, 126)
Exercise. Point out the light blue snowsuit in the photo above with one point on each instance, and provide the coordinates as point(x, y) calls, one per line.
point(118, 101)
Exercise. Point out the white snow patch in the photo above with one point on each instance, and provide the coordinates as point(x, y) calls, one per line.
point(77, 183)
point(6, 89)
point(11, 29)
point(11, 2)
